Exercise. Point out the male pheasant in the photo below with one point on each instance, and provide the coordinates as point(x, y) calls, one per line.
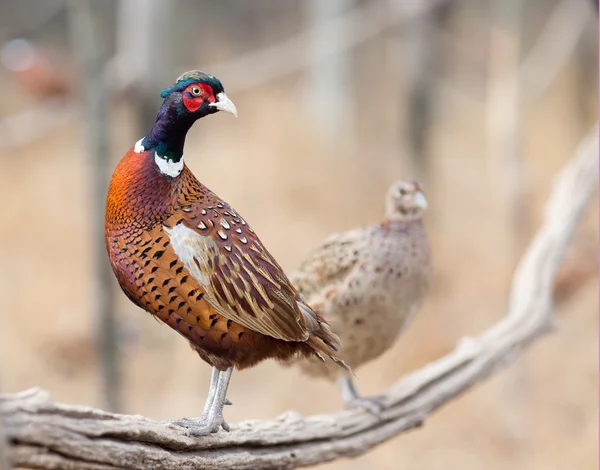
point(367, 283)
point(188, 258)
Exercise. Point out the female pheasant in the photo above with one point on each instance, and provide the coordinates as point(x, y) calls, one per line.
point(188, 258)
point(368, 283)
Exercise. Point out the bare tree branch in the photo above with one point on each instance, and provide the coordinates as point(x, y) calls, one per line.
point(240, 73)
point(553, 48)
point(37, 18)
point(263, 65)
point(538, 70)
point(46, 435)
point(549, 55)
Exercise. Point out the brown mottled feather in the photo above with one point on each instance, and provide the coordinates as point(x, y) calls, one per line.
point(230, 299)
point(369, 282)
point(245, 283)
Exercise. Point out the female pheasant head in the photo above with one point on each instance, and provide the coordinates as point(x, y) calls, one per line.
point(405, 200)
point(194, 95)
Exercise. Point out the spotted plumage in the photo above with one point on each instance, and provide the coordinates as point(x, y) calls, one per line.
point(369, 282)
point(188, 258)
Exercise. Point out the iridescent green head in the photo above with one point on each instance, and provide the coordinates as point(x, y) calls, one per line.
point(198, 93)
point(195, 94)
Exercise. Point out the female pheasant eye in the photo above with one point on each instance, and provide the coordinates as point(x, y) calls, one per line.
point(196, 91)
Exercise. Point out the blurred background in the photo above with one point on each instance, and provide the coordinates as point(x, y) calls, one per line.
point(482, 101)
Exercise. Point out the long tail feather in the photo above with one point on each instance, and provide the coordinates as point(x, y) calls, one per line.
point(322, 340)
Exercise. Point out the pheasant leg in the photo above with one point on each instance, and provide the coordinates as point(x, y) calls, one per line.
point(353, 399)
point(212, 415)
point(212, 389)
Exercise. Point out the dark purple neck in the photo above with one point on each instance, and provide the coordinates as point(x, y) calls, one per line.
point(168, 133)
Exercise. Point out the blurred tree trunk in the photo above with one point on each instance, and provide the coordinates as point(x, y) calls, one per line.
point(419, 41)
point(147, 31)
point(587, 72)
point(508, 177)
point(419, 57)
point(328, 85)
point(90, 26)
point(508, 172)
point(4, 464)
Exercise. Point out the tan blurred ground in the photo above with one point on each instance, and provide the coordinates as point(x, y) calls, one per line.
point(540, 414)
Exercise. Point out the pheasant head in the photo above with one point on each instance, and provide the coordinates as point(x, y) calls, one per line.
point(405, 200)
point(194, 95)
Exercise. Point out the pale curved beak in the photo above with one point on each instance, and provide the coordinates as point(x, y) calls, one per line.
point(223, 103)
point(420, 200)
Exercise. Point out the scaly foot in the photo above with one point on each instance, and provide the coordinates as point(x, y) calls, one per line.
point(202, 426)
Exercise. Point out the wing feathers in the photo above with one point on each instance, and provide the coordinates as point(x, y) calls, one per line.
point(243, 285)
point(330, 262)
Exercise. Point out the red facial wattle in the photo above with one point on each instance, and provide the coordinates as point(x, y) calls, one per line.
point(194, 102)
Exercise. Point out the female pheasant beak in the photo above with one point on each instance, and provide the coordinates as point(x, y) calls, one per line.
point(420, 201)
point(223, 103)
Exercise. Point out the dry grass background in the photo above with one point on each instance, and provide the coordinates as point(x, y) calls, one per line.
point(540, 414)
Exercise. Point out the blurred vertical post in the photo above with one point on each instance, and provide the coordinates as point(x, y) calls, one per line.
point(507, 173)
point(4, 465)
point(418, 40)
point(146, 31)
point(90, 28)
point(328, 84)
point(503, 115)
point(587, 72)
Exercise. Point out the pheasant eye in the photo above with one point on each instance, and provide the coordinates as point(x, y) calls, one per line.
point(196, 91)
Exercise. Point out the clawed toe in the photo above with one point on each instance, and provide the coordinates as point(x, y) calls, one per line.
point(199, 426)
point(212, 415)
point(183, 422)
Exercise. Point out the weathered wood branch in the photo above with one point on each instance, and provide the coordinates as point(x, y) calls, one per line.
point(47, 435)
